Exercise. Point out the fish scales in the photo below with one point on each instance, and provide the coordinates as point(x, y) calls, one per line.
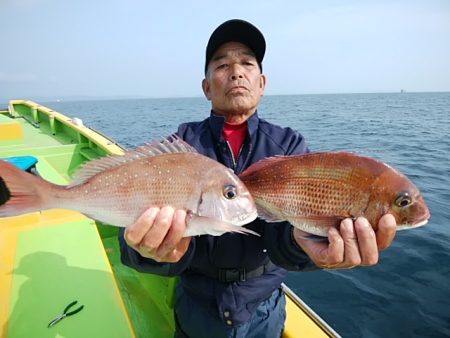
point(165, 184)
point(317, 188)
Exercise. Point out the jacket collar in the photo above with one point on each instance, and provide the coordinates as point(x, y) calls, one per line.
point(216, 123)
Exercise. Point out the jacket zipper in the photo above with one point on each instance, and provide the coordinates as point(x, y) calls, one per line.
point(232, 155)
point(235, 160)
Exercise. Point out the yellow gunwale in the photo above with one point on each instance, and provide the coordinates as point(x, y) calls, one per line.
point(96, 137)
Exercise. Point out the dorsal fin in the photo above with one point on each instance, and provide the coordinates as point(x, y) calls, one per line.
point(255, 167)
point(170, 145)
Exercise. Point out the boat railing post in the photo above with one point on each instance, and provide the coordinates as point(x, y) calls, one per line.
point(52, 124)
point(34, 114)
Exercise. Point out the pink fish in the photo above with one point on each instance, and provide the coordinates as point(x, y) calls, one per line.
point(118, 189)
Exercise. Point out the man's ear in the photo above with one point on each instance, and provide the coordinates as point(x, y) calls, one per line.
point(262, 83)
point(205, 87)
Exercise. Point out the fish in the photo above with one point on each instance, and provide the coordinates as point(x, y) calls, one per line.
point(117, 189)
point(316, 191)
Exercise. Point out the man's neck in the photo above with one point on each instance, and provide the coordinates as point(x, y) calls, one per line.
point(235, 118)
point(235, 134)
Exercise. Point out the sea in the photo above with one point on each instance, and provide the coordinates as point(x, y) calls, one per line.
point(407, 294)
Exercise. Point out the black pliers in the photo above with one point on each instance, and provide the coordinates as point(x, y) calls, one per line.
point(66, 313)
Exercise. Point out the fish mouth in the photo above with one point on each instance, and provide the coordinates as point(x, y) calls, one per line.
point(419, 223)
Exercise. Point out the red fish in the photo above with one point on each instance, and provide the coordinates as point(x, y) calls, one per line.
point(317, 191)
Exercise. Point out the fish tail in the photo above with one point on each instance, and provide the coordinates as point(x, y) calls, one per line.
point(21, 192)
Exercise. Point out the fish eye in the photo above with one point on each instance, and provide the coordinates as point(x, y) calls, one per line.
point(403, 199)
point(229, 191)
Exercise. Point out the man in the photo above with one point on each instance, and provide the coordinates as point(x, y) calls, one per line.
point(230, 285)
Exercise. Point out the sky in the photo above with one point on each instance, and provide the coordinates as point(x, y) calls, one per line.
point(62, 49)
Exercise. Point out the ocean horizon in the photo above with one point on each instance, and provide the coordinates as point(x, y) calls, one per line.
point(76, 98)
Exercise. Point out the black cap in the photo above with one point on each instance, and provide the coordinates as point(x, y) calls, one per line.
point(238, 31)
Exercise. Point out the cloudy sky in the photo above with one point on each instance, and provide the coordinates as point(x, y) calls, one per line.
point(63, 49)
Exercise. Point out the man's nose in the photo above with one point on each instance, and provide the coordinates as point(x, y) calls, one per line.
point(236, 72)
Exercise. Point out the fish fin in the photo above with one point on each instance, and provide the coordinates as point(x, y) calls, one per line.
point(261, 164)
point(201, 225)
point(170, 145)
point(21, 192)
point(313, 224)
point(314, 238)
point(316, 224)
point(265, 215)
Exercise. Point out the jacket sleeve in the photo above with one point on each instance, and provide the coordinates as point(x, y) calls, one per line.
point(133, 259)
point(296, 144)
point(282, 249)
point(278, 237)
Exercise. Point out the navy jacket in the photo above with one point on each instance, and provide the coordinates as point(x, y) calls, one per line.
point(206, 252)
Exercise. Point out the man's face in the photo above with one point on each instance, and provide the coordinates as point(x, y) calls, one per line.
point(234, 83)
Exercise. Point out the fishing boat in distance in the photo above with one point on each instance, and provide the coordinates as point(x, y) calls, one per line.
point(52, 258)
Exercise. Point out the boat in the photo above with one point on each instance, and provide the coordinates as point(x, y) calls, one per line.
point(53, 258)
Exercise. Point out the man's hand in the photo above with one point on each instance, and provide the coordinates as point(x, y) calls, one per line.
point(354, 244)
point(158, 234)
